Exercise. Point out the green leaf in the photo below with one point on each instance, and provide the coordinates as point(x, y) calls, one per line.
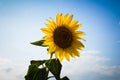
point(35, 73)
point(42, 74)
point(37, 62)
point(65, 78)
point(54, 67)
point(39, 43)
point(31, 72)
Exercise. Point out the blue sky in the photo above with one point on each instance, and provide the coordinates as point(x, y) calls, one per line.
point(20, 23)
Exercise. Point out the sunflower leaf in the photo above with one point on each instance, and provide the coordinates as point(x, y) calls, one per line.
point(37, 62)
point(42, 74)
point(35, 73)
point(54, 67)
point(39, 43)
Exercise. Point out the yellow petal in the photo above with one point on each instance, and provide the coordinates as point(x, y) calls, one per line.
point(67, 56)
point(50, 27)
point(58, 19)
point(73, 23)
point(45, 43)
point(69, 19)
point(78, 38)
point(66, 16)
point(46, 30)
point(74, 51)
point(79, 33)
point(78, 44)
point(56, 54)
point(52, 48)
point(61, 19)
point(53, 24)
point(49, 37)
point(75, 27)
point(70, 52)
point(48, 43)
point(61, 54)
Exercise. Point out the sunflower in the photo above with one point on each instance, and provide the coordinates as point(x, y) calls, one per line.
point(62, 37)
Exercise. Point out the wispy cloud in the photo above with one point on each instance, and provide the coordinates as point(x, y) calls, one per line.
point(9, 70)
point(91, 52)
point(87, 64)
point(90, 63)
point(106, 70)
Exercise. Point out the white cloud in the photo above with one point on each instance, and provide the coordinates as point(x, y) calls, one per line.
point(106, 70)
point(87, 63)
point(90, 63)
point(91, 51)
point(10, 70)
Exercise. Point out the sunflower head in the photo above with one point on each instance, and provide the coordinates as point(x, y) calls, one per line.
point(62, 37)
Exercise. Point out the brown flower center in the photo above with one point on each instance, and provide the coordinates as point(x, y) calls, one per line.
point(63, 37)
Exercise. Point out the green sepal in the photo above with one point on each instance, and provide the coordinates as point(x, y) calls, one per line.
point(54, 66)
point(39, 43)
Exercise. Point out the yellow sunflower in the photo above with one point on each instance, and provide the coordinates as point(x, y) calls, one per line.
point(62, 37)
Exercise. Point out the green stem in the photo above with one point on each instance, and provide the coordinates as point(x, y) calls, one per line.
point(48, 69)
point(51, 55)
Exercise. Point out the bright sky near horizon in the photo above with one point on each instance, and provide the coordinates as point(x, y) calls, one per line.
point(20, 23)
